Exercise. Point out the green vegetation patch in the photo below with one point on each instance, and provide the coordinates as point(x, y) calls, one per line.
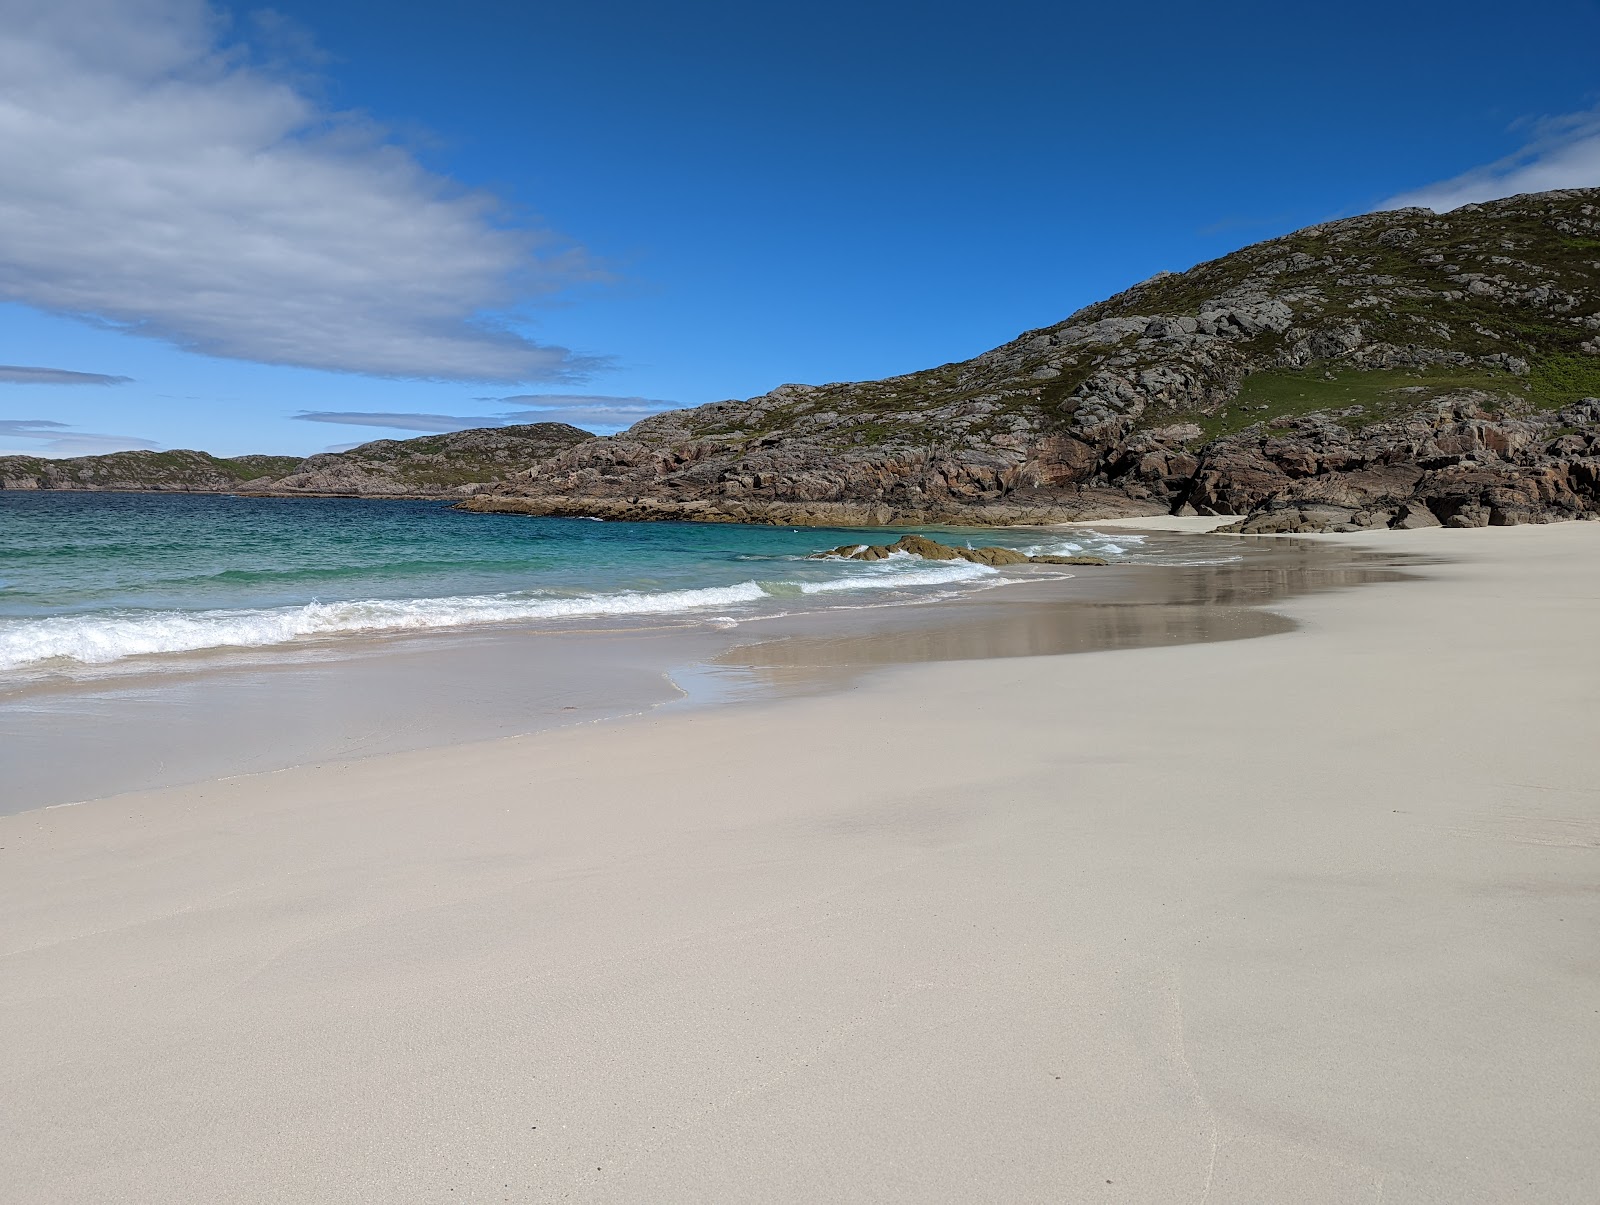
point(1560, 380)
point(1382, 395)
point(1376, 390)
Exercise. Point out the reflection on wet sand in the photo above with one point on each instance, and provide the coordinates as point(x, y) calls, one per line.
point(1118, 607)
point(142, 728)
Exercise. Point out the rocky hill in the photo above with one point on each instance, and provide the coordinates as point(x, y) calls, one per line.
point(432, 466)
point(181, 471)
point(1401, 368)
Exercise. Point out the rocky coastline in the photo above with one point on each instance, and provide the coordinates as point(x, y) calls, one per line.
point(1370, 372)
point(1399, 369)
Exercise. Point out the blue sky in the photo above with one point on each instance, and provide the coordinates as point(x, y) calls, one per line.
point(399, 217)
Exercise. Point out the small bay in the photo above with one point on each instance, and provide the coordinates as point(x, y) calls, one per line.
point(92, 580)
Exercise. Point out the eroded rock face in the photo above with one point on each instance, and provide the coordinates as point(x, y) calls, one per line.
point(1456, 464)
point(932, 550)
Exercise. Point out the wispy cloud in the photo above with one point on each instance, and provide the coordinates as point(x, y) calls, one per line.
point(160, 181)
point(401, 420)
point(592, 412)
point(1563, 152)
point(17, 374)
point(54, 440)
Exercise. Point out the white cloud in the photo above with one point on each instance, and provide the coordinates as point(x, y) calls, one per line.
point(1564, 152)
point(18, 374)
point(157, 181)
point(53, 440)
point(592, 412)
point(401, 420)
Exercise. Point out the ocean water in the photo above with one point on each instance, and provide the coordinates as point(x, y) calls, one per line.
point(89, 581)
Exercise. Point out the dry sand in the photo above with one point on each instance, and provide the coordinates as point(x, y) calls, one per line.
point(1305, 918)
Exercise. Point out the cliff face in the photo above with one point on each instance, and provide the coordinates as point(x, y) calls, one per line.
point(1354, 373)
point(432, 466)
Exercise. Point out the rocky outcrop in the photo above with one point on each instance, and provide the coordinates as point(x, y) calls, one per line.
point(1457, 464)
point(1225, 389)
point(932, 550)
point(452, 465)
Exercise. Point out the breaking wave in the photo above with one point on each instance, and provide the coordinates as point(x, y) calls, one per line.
point(102, 638)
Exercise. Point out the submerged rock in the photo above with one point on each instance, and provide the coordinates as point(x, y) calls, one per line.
point(932, 550)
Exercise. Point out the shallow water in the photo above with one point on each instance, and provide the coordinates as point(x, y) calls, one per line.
point(89, 581)
point(67, 738)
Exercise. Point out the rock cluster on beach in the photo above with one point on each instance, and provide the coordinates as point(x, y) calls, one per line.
point(932, 550)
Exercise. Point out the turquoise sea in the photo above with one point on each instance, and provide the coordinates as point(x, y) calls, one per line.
point(89, 580)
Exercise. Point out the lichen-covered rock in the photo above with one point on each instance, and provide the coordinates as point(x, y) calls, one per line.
point(1457, 463)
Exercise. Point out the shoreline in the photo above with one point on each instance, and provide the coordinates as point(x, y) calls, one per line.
point(1314, 911)
point(1306, 917)
point(177, 722)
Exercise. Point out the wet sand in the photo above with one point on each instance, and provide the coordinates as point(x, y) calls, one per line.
point(250, 713)
point(1309, 917)
point(1100, 610)
point(69, 742)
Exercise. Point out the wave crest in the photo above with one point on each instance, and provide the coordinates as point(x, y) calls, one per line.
point(102, 638)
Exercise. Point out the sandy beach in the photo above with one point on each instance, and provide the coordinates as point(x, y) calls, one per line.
point(1310, 917)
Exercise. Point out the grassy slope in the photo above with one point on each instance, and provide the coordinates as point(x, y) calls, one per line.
point(1415, 309)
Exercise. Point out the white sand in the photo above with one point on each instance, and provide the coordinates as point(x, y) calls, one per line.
point(1310, 918)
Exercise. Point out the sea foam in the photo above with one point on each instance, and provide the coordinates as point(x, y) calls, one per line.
point(99, 639)
point(103, 638)
point(899, 569)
